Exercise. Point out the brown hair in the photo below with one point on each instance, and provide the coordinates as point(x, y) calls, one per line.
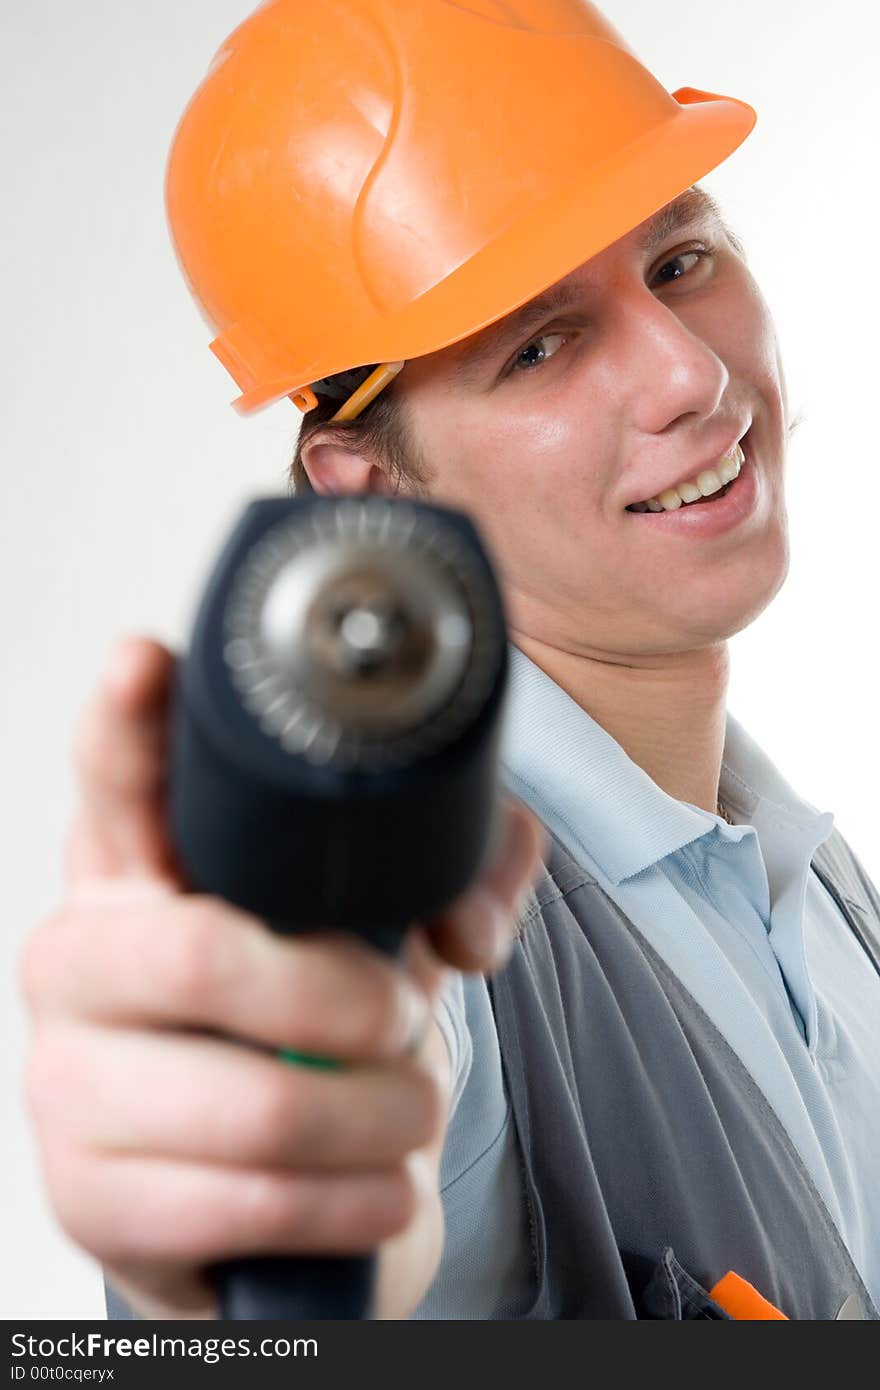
point(379, 432)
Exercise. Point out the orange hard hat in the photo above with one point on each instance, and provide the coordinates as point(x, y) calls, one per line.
point(364, 181)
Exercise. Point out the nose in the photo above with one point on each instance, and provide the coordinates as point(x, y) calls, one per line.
point(671, 369)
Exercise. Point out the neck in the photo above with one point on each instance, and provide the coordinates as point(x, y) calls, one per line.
point(666, 712)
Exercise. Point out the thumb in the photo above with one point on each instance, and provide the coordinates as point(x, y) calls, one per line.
point(121, 758)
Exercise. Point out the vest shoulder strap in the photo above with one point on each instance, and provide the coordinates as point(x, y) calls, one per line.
point(838, 868)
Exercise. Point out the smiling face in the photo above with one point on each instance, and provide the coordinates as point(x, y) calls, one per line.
point(633, 374)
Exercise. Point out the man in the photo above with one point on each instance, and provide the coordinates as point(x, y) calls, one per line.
point(672, 1090)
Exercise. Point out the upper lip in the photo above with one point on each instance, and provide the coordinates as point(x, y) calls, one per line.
point(708, 461)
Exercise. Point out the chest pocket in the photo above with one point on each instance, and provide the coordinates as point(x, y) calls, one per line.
point(672, 1294)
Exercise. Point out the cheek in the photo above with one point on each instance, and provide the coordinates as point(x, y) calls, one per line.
point(753, 343)
point(538, 508)
point(529, 487)
point(522, 459)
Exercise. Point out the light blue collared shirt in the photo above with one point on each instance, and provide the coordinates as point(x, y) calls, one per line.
point(750, 931)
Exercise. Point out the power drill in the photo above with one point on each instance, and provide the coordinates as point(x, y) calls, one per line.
point(335, 730)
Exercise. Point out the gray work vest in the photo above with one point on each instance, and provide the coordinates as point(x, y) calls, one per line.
point(651, 1162)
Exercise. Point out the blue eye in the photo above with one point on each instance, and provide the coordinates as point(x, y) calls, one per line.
point(534, 355)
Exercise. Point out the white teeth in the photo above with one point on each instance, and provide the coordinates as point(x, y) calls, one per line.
point(704, 485)
point(689, 492)
point(728, 469)
point(670, 499)
point(708, 482)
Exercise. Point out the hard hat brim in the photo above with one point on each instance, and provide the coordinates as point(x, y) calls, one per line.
point(547, 243)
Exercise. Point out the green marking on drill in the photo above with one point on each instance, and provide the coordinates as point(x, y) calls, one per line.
point(306, 1059)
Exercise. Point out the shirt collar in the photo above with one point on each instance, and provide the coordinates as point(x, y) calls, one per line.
point(578, 778)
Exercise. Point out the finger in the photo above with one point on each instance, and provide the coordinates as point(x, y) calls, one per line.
point(121, 761)
point(208, 1100)
point(477, 931)
point(423, 965)
point(124, 1209)
point(154, 1290)
point(197, 961)
point(513, 870)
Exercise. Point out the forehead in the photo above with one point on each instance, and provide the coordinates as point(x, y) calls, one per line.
point(694, 205)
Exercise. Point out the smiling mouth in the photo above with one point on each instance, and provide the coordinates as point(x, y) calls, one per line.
point(697, 502)
point(707, 486)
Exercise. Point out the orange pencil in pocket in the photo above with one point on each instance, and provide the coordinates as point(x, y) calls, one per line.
point(741, 1299)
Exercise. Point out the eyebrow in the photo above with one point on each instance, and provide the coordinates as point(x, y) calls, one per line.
point(692, 205)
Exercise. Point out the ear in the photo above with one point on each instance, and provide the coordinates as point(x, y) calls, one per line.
point(334, 469)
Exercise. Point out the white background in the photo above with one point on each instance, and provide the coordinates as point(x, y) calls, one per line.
point(123, 465)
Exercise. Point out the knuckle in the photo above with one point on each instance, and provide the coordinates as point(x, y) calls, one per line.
point(427, 1106)
point(90, 1226)
point(41, 1070)
point(405, 1193)
point(377, 1012)
point(38, 1076)
point(264, 1204)
point(418, 1098)
point(277, 1123)
point(38, 958)
point(119, 1215)
point(197, 964)
point(436, 1101)
point(119, 1218)
point(32, 966)
point(154, 1225)
point(70, 1185)
point(52, 1073)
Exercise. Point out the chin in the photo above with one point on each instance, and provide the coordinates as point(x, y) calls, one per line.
point(749, 585)
point(725, 616)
